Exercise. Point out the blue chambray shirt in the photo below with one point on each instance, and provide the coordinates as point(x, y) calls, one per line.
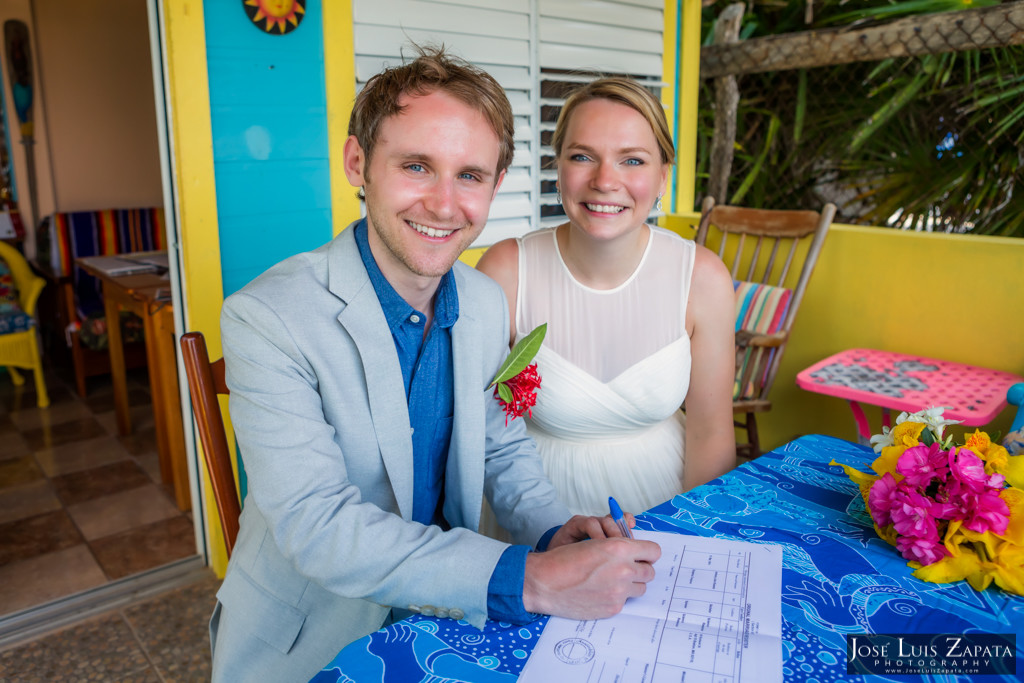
point(430, 391)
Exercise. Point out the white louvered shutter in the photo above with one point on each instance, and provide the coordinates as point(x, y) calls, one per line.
point(513, 40)
point(497, 36)
point(578, 41)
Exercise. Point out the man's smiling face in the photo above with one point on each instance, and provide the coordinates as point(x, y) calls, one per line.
point(428, 186)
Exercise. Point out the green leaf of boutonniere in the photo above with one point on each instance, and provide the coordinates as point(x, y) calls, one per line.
point(521, 356)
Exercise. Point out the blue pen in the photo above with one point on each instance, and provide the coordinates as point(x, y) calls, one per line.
point(619, 518)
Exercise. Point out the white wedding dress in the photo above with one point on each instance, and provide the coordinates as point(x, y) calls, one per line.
point(615, 368)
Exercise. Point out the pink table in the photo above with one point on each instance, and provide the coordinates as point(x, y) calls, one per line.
point(898, 381)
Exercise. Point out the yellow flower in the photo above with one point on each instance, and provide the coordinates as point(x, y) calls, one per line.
point(856, 476)
point(886, 462)
point(907, 434)
point(955, 568)
point(1008, 569)
point(978, 442)
point(1014, 471)
point(1014, 499)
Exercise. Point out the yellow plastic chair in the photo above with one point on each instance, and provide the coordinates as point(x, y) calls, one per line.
point(21, 349)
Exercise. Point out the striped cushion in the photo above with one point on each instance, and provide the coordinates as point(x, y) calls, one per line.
point(760, 309)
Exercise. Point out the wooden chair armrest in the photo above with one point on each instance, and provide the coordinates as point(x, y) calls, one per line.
point(746, 339)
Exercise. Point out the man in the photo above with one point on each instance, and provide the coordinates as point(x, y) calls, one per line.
point(358, 376)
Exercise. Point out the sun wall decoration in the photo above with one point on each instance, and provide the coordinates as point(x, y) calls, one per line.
point(280, 15)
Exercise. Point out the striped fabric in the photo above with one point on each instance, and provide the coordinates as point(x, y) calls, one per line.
point(761, 309)
point(100, 233)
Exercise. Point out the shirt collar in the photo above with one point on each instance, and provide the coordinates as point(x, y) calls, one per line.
point(396, 309)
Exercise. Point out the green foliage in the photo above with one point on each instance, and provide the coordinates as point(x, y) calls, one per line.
point(933, 142)
point(522, 355)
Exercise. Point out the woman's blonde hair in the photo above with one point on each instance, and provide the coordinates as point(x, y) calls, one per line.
point(625, 91)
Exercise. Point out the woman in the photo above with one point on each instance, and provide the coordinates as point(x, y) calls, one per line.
point(639, 319)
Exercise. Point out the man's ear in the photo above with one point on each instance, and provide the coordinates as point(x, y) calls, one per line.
point(355, 162)
point(497, 184)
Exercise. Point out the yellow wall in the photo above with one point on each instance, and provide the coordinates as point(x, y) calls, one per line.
point(197, 206)
point(955, 297)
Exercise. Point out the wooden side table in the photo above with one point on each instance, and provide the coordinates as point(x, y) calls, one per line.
point(899, 381)
point(144, 295)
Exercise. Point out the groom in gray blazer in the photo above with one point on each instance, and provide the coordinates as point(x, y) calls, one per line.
point(359, 380)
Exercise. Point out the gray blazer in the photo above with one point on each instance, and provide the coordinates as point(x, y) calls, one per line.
point(318, 403)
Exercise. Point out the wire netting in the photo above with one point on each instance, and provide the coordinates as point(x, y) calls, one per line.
point(916, 123)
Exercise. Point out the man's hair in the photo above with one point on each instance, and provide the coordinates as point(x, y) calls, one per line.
point(624, 91)
point(433, 70)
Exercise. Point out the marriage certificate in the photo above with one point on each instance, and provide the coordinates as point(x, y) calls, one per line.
point(712, 614)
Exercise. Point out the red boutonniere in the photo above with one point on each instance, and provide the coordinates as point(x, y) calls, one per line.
point(517, 381)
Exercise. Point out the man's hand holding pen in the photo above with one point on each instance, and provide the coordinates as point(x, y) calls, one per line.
point(589, 570)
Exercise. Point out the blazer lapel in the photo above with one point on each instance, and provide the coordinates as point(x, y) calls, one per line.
point(364, 321)
point(464, 475)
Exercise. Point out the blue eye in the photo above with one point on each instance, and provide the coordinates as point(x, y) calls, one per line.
point(634, 162)
point(468, 176)
point(417, 168)
point(579, 157)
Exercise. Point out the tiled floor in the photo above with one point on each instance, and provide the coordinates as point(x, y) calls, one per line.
point(80, 506)
point(160, 640)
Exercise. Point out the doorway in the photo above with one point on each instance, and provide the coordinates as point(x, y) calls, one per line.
point(85, 521)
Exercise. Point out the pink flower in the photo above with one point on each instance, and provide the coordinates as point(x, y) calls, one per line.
point(920, 464)
point(880, 499)
point(968, 469)
point(989, 512)
point(912, 515)
point(923, 550)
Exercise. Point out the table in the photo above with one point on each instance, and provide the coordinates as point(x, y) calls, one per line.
point(146, 295)
point(905, 382)
point(838, 578)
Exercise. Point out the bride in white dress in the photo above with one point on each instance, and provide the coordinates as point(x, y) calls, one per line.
point(639, 319)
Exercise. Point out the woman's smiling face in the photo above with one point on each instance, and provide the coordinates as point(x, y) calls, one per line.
point(610, 172)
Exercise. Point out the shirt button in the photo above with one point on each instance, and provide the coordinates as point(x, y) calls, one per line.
point(427, 610)
point(456, 613)
point(441, 613)
point(414, 318)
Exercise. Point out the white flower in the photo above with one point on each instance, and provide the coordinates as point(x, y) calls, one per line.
point(932, 417)
point(883, 440)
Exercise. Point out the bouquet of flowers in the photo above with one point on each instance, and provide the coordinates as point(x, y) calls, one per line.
point(955, 511)
point(517, 382)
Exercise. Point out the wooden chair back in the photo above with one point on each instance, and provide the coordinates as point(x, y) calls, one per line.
point(205, 382)
point(776, 248)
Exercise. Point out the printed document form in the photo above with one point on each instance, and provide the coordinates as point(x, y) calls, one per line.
point(712, 614)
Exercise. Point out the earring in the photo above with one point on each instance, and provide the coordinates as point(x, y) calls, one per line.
point(657, 207)
point(558, 195)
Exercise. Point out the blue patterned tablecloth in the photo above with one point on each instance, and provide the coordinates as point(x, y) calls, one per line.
point(838, 578)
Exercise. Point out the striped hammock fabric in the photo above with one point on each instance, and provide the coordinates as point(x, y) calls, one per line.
point(761, 309)
point(100, 233)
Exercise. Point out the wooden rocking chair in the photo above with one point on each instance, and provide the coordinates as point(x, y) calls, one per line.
point(771, 255)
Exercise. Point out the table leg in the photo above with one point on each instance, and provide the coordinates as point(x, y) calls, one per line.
point(155, 363)
point(170, 400)
point(863, 430)
point(118, 374)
